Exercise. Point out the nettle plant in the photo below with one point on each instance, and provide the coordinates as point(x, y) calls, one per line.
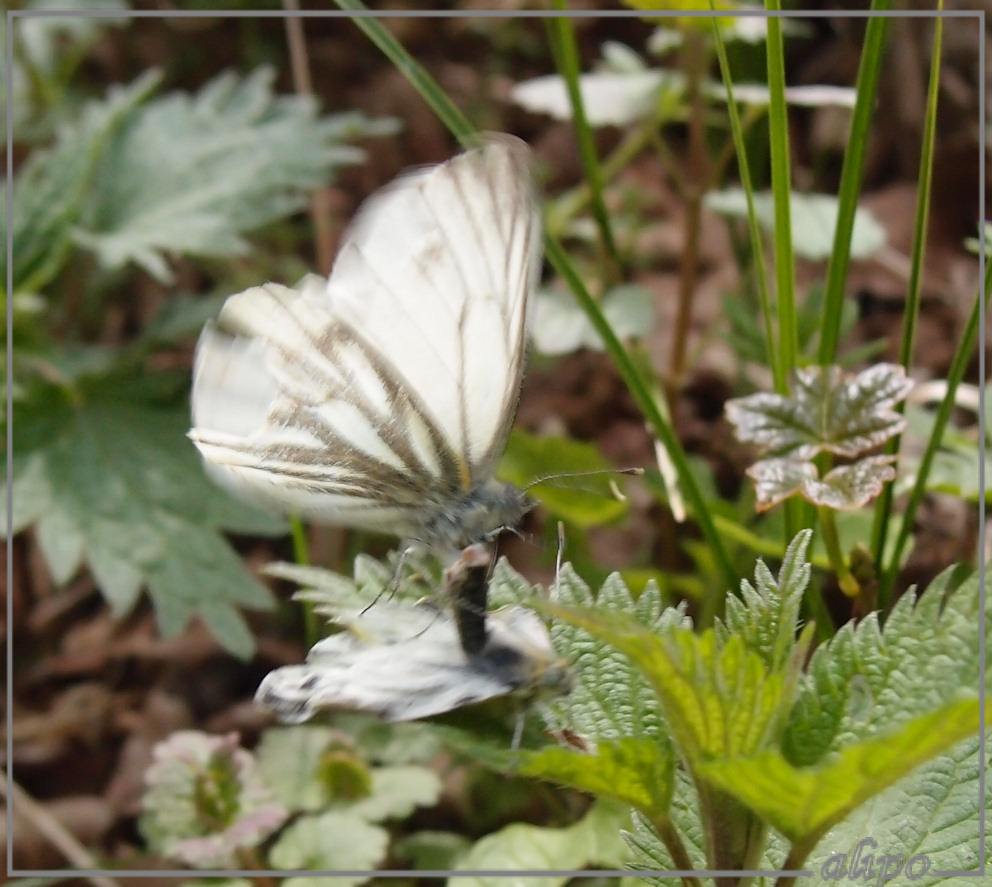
point(728, 749)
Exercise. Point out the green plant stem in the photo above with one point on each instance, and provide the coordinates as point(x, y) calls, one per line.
point(569, 204)
point(778, 132)
point(831, 539)
point(672, 840)
point(962, 357)
point(850, 181)
point(694, 60)
point(562, 39)
point(883, 507)
point(301, 556)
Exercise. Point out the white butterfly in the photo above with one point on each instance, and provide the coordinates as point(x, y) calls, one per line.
point(382, 397)
point(404, 661)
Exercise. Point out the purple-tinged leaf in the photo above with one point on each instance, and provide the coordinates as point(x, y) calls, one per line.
point(829, 410)
point(851, 486)
point(777, 479)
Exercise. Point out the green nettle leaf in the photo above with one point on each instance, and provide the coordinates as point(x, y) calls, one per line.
point(944, 797)
point(873, 706)
point(814, 216)
point(766, 613)
point(111, 481)
point(803, 803)
point(586, 501)
point(718, 698)
point(191, 173)
point(635, 771)
point(205, 800)
point(828, 411)
point(844, 488)
point(866, 681)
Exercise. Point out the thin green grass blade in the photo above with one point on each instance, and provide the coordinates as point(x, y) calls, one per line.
point(796, 515)
point(850, 181)
point(963, 356)
point(566, 54)
point(448, 113)
point(757, 248)
point(883, 507)
point(778, 129)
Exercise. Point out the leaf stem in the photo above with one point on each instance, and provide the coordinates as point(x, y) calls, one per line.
point(831, 539)
point(676, 848)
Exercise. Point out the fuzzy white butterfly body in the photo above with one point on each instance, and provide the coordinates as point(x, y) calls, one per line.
point(382, 398)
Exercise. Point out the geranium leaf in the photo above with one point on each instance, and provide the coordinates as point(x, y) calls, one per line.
point(829, 410)
point(777, 479)
point(851, 486)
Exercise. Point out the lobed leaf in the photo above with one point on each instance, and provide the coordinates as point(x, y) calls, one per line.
point(111, 482)
point(846, 487)
point(191, 174)
point(829, 410)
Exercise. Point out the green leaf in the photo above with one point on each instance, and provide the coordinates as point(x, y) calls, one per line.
point(814, 218)
point(289, 759)
point(397, 792)
point(111, 481)
point(829, 410)
point(53, 186)
point(634, 770)
point(803, 803)
point(191, 173)
point(612, 698)
point(593, 841)
point(935, 811)
point(847, 487)
point(717, 697)
point(865, 681)
point(583, 501)
point(766, 614)
point(331, 841)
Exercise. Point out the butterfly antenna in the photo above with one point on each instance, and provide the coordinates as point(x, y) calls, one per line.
point(393, 585)
point(636, 472)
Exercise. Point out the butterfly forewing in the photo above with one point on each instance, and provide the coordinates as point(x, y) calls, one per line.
point(382, 398)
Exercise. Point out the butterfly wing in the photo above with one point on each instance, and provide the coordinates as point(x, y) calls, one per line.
point(392, 386)
point(426, 673)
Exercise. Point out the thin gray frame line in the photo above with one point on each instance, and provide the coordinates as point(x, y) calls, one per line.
point(485, 13)
point(197, 874)
point(9, 461)
point(856, 14)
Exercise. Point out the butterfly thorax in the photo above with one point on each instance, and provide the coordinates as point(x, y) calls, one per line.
point(478, 515)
